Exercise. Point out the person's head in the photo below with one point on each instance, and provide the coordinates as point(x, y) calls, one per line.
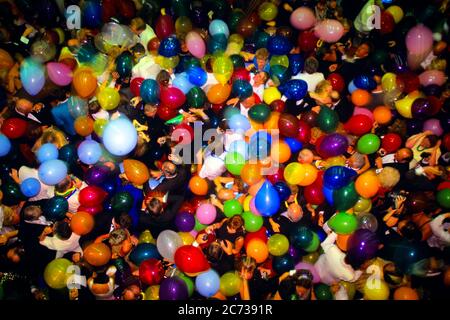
point(155, 207)
point(132, 292)
point(261, 56)
point(246, 265)
point(305, 156)
point(429, 141)
point(32, 213)
point(295, 212)
point(324, 88)
point(24, 106)
point(137, 25)
point(363, 50)
point(55, 136)
point(169, 169)
point(235, 223)
point(303, 283)
point(62, 230)
point(163, 78)
point(311, 65)
point(150, 110)
point(64, 185)
point(389, 177)
point(94, 107)
point(260, 78)
point(117, 236)
point(141, 147)
point(404, 155)
point(122, 220)
point(138, 51)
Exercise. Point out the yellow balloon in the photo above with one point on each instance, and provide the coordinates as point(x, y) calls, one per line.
point(57, 272)
point(403, 106)
point(146, 237)
point(362, 205)
point(236, 38)
point(267, 11)
point(233, 48)
point(152, 293)
point(246, 204)
point(186, 238)
point(389, 82)
point(271, 94)
point(334, 161)
point(396, 12)
point(108, 98)
point(279, 60)
point(222, 69)
point(99, 126)
point(310, 175)
point(294, 173)
point(376, 289)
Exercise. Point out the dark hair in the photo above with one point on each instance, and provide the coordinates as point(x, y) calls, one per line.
point(63, 185)
point(163, 78)
point(101, 278)
point(154, 207)
point(94, 107)
point(63, 230)
point(123, 220)
point(286, 289)
point(433, 139)
point(235, 222)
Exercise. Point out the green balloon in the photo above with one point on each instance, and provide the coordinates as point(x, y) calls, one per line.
point(238, 61)
point(279, 74)
point(191, 62)
point(56, 208)
point(234, 19)
point(443, 198)
point(124, 64)
point(189, 283)
point(314, 245)
point(68, 153)
point(343, 223)
point(11, 193)
point(232, 208)
point(368, 143)
point(252, 222)
point(278, 244)
point(262, 39)
point(198, 226)
point(327, 119)
point(345, 197)
point(234, 162)
point(323, 292)
point(259, 113)
point(230, 284)
point(230, 111)
point(122, 201)
point(196, 97)
point(301, 237)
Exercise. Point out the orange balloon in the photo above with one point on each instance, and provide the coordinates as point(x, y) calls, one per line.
point(84, 83)
point(405, 293)
point(361, 97)
point(342, 241)
point(225, 194)
point(257, 249)
point(382, 114)
point(136, 171)
point(84, 126)
point(272, 122)
point(97, 254)
point(251, 173)
point(6, 61)
point(367, 185)
point(82, 223)
point(310, 175)
point(198, 186)
point(280, 151)
point(253, 190)
point(218, 93)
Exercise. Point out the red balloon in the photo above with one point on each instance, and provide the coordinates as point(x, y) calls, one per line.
point(165, 113)
point(164, 26)
point(257, 98)
point(358, 125)
point(241, 74)
point(304, 132)
point(314, 194)
point(126, 8)
point(391, 142)
point(190, 259)
point(410, 81)
point(108, 10)
point(387, 22)
point(91, 210)
point(153, 44)
point(172, 97)
point(277, 177)
point(288, 125)
point(217, 108)
point(260, 234)
point(135, 86)
point(277, 105)
point(443, 185)
point(446, 141)
point(151, 272)
point(197, 201)
point(14, 128)
point(184, 133)
point(436, 104)
point(91, 196)
point(307, 41)
point(187, 207)
point(337, 82)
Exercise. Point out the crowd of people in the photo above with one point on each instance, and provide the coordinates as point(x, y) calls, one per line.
point(229, 150)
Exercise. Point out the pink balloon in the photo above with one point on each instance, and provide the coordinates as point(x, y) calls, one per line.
point(364, 111)
point(195, 44)
point(302, 18)
point(329, 30)
point(419, 39)
point(172, 97)
point(434, 126)
point(432, 77)
point(59, 73)
point(311, 268)
point(253, 207)
point(206, 213)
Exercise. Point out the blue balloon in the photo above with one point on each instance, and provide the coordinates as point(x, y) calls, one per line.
point(239, 146)
point(328, 194)
point(280, 74)
point(52, 172)
point(218, 26)
point(92, 14)
point(279, 45)
point(182, 82)
point(294, 89)
point(149, 91)
point(120, 137)
point(207, 283)
point(47, 151)
point(239, 122)
point(259, 148)
point(144, 251)
point(283, 264)
point(89, 152)
point(32, 76)
point(30, 187)
point(216, 43)
point(293, 144)
point(241, 89)
point(365, 82)
point(197, 76)
point(337, 177)
point(5, 145)
point(351, 87)
point(283, 190)
point(267, 200)
point(169, 47)
point(296, 63)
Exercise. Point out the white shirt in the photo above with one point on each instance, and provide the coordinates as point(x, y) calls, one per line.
point(146, 35)
point(63, 246)
point(389, 158)
point(441, 236)
point(213, 167)
point(311, 79)
point(46, 191)
point(146, 68)
point(73, 201)
point(210, 81)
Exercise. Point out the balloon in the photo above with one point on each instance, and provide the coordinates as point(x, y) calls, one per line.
point(52, 172)
point(257, 249)
point(279, 45)
point(32, 76)
point(217, 27)
point(136, 171)
point(434, 126)
point(271, 94)
point(376, 290)
point(301, 237)
point(198, 186)
point(47, 151)
point(328, 120)
point(329, 30)
point(251, 173)
point(337, 82)
point(367, 184)
point(167, 243)
point(56, 208)
point(91, 196)
point(135, 85)
point(278, 244)
point(382, 115)
point(288, 125)
point(14, 128)
point(362, 246)
point(195, 44)
point(82, 223)
point(183, 25)
point(239, 122)
point(302, 18)
point(294, 89)
point(108, 98)
point(77, 107)
point(310, 175)
point(358, 125)
point(432, 77)
point(197, 76)
point(443, 198)
point(84, 125)
point(97, 175)
point(296, 63)
point(294, 144)
point(143, 252)
point(59, 73)
point(151, 272)
point(333, 145)
point(223, 69)
point(405, 293)
point(56, 273)
point(313, 194)
point(267, 200)
point(206, 213)
point(252, 222)
point(344, 198)
point(283, 190)
point(419, 40)
point(190, 259)
point(67, 153)
point(124, 64)
point(238, 147)
point(120, 137)
point(84, 82)
point(122, 201)
point(368, 144)
point(30, 187)
point(173, 288)
point(267, 11)
point(232, 207)
point(89, 152)
point(367, 221)
point(343, 223)
point(185, 222)
point(149, 91)
point(230, 284)
point(337, 177)
point(361, 97)
point(294, 173)
point(396, 12)
point(218, 93)
point(5, 145)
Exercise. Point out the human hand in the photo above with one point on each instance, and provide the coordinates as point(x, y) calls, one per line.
point(175, 158)
point(161, 140)
point(399, 201)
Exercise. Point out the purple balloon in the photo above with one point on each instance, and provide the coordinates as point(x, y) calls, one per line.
point(294, 253)
point(414, 126)
point(421, 108)
point(362, 246)
point(97, 175)
point(185, 222)
point(333, 145)
point(434, 126)
point(433, 90)
point(173, 289)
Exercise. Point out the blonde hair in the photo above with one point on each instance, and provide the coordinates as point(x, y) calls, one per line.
point(51, 135)
point(262, 54)
point(389, 177)
point(322, 86)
